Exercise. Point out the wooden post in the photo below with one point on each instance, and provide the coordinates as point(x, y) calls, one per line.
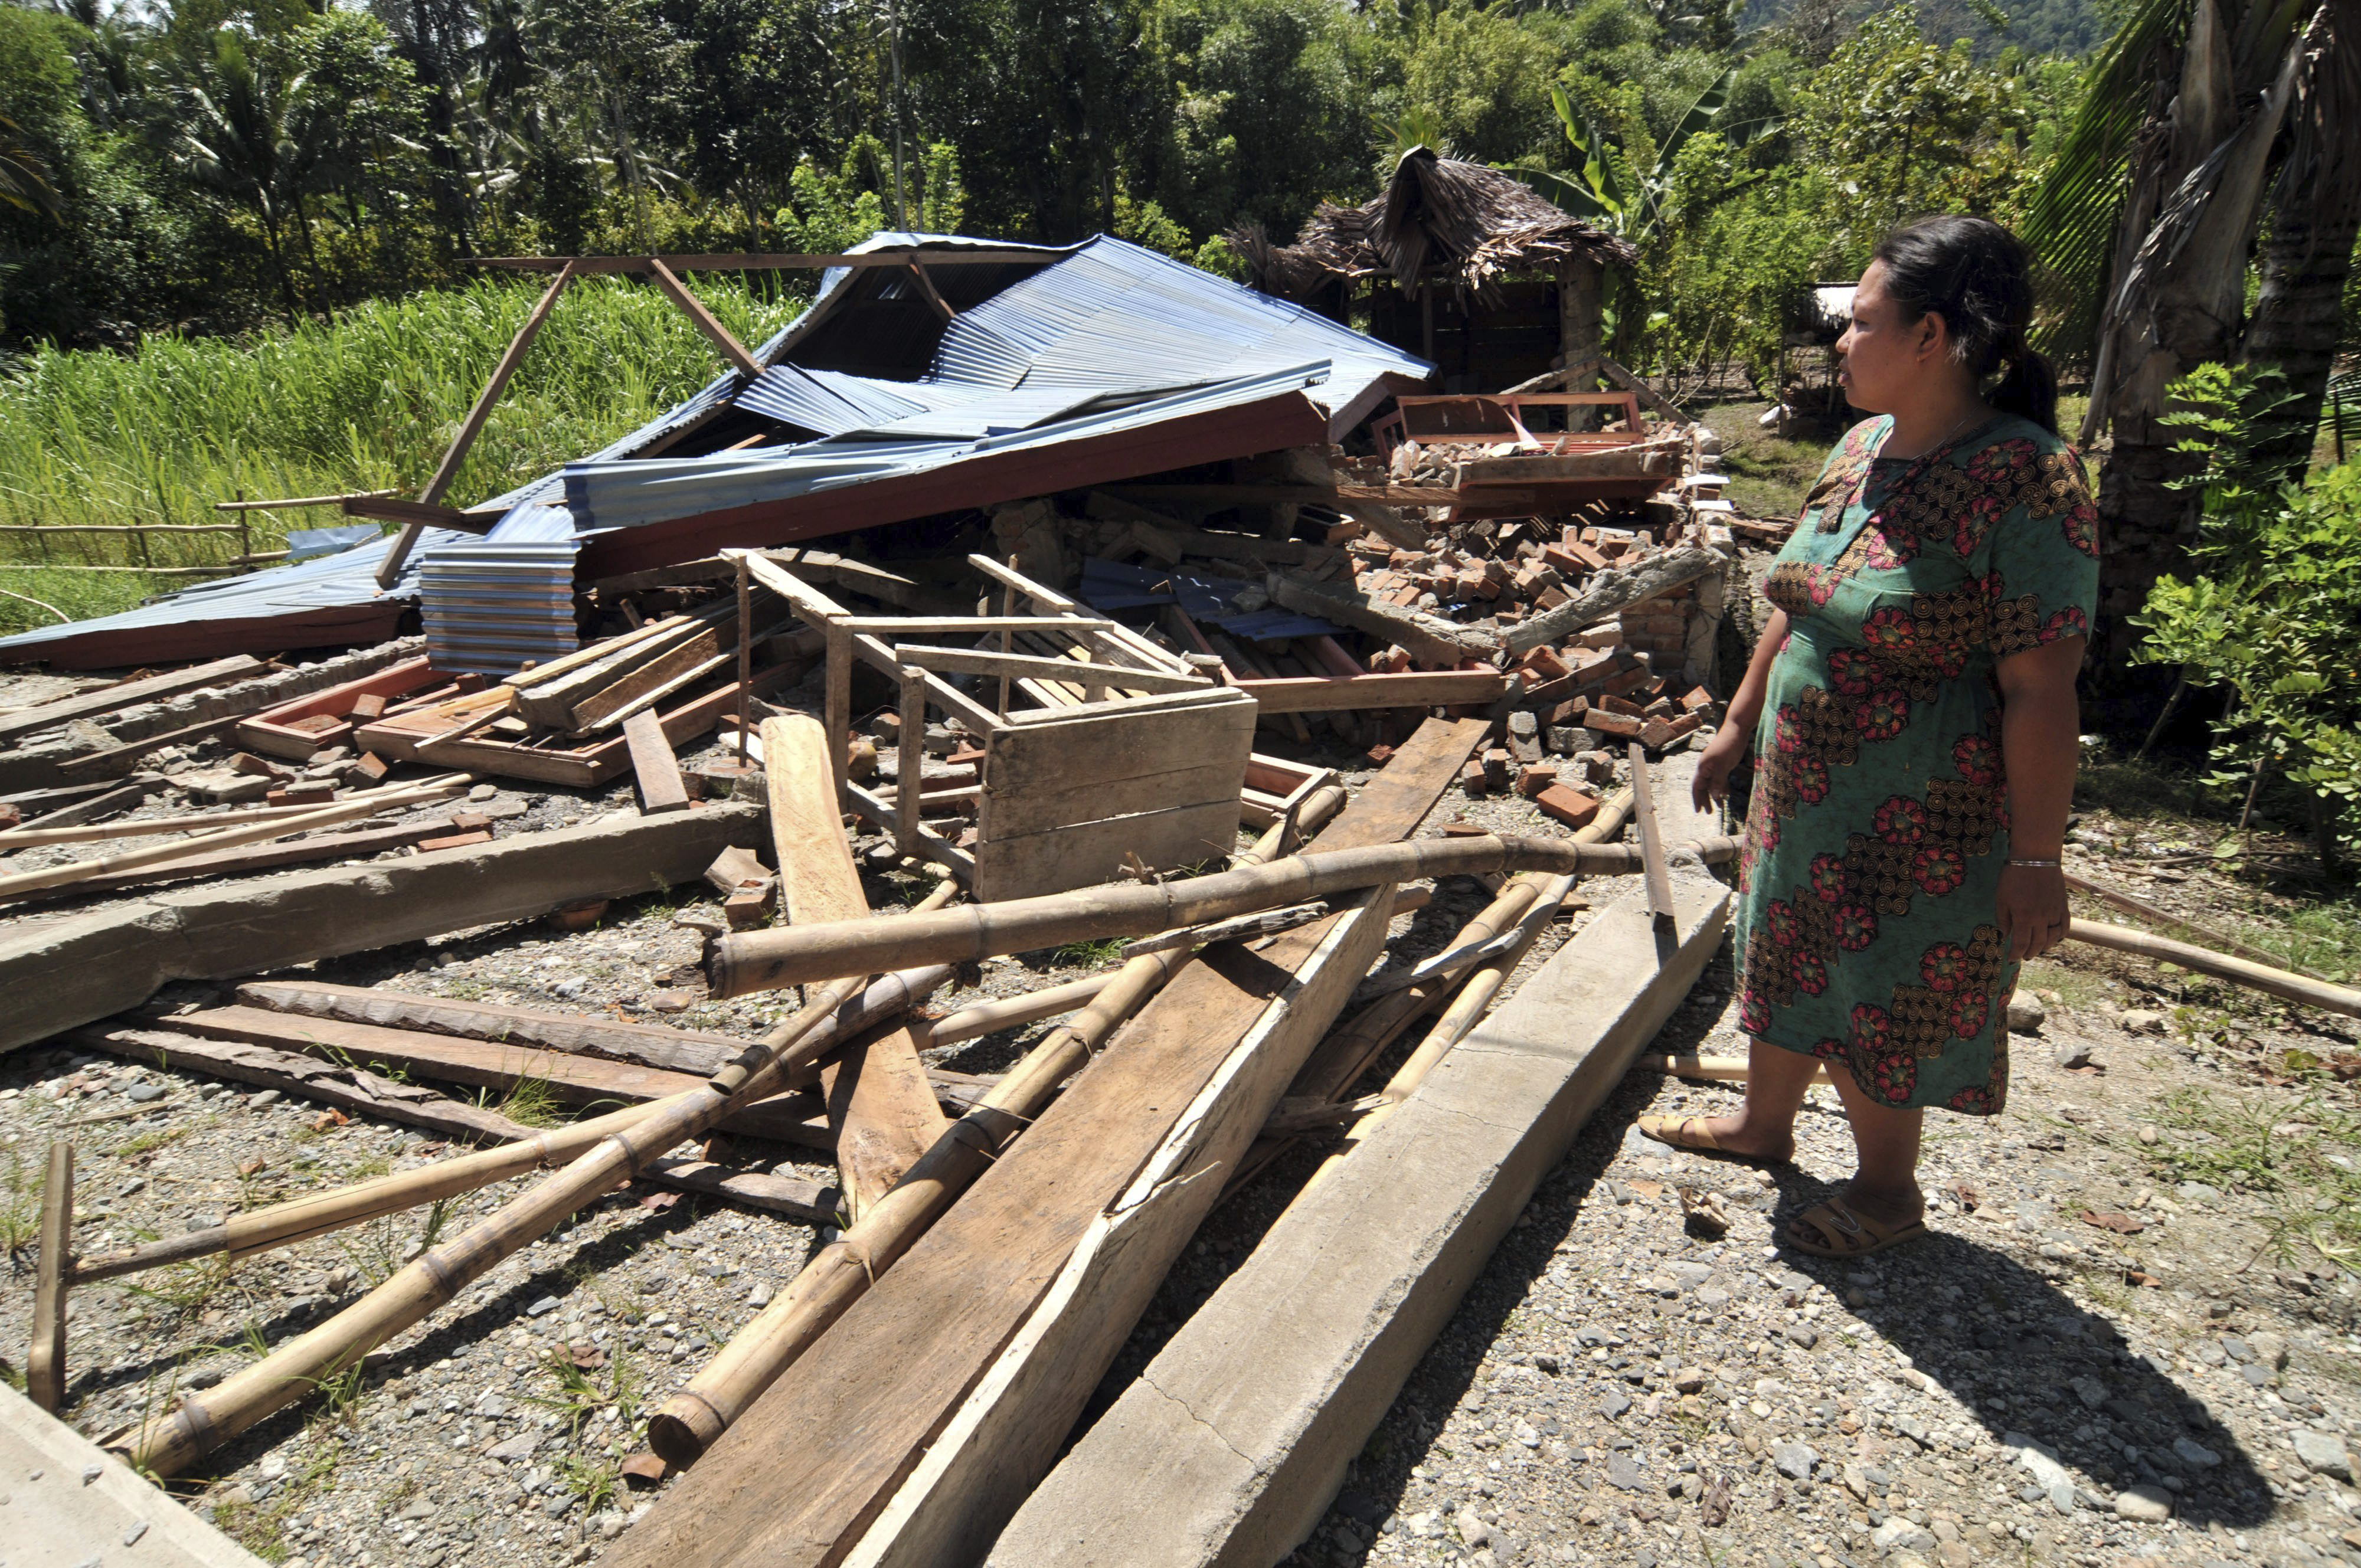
point(45, 1368)
point(1651, 846)
point(473, 426)
point(745, 651)
point(840, 705)
point(909, 788)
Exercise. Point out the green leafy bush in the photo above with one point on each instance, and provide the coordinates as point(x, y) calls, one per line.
point(2274, 607)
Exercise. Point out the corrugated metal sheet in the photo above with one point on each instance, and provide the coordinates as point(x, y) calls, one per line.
point(1100, 338)
point(489, 608)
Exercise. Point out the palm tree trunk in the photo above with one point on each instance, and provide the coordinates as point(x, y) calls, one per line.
point(2299, 314)
point(2180, 304)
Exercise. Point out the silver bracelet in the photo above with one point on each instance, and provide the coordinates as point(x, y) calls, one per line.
point(2037, 865)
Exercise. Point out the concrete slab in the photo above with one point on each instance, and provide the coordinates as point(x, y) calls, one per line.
point(1231, 1446)
point(66, 1503)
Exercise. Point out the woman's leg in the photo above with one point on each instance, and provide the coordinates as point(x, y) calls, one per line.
point(1885, 1187)
point(1764, 1127)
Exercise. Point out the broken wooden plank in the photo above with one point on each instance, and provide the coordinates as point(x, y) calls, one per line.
point(1417, 688)
point(1250, 1415)
point(582, 1081)
point(45, 1364)
point(123, 694)
point(1201, 1055)
point(68, 971)
point(654, 765)
point(879, 1102)
point(983, 662)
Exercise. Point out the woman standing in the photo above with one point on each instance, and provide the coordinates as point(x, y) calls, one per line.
point(1911, 701)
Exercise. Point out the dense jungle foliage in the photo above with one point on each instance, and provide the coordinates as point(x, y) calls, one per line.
point(210, 166)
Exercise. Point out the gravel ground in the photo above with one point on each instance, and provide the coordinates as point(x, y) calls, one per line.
point(2026, 1385)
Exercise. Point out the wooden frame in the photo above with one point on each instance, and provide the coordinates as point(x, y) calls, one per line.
point(1100, 687)
point(268, 730)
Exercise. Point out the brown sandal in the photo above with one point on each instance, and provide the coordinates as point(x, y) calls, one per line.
point(1691, 1134)
point(1843, 1233)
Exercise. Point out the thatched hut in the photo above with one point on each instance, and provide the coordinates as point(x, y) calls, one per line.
point(1456, 261)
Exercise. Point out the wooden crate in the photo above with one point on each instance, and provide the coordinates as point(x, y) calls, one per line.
point(1134, 759)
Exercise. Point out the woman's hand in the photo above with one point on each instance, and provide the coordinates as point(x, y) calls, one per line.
point(2031, 907)
point(1715, 763)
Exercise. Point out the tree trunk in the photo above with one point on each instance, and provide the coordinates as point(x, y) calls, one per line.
point(2180, 304)
point(2299, 314)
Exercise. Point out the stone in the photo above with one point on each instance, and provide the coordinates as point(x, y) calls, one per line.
point(2324, 1453)
point(1689, 1380)
point(1425, 1526)
point(2047, 1470)
point(1613, 1403)
point(543, 1306)
point(2195, 1454)
point(1803, 1334)
point(515, 1449)
point(2070, 1055)
point(491, 1406)
point(1624, 1474)
point(2091, 1391)
point(1687, 1276)
point(2146, 1504)
point(1900, 1535)
point(2143, 1021)
point(2025, 1014)
point(2149, 1133)
point(483, 792)
point(267, 1098)
point(2270, 1349)
point(145, 1093)
point(1856, 1481)
point(1794, 1460)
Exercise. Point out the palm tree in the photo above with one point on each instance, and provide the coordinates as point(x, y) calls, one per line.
point(24, 180)
point(2149, 221)
point(239, 141)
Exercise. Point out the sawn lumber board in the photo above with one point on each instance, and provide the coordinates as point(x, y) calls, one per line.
point(1248, 1417)
point(78, 969)
point(821, 1454)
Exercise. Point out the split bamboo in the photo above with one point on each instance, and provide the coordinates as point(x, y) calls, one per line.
point(748, 962)
point(168, 1443)
point(228, 838)
point(44, 1367)
point(26, 837)
point(1718, 1070)
point(693, 1420)
point(318, 1214)
point(2255, 977)
point(1466, 1010)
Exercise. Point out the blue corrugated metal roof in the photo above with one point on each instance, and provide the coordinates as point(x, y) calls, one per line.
point(1103, 337)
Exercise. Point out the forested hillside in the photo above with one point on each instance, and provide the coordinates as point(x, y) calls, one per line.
point(213, 168)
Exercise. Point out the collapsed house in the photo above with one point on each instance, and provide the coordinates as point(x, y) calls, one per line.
point(1465, 265)
point(1118, 563)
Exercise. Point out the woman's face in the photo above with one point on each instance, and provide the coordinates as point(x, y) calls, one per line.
point(1887, 359)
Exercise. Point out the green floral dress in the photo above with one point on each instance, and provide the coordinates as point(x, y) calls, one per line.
point(1870, 868)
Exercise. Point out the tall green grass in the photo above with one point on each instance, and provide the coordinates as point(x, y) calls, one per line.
point(368, 399)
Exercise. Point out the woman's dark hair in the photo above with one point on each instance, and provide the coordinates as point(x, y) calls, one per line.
point(1978, 276)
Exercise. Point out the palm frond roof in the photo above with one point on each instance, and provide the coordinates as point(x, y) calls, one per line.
point(1439, 219)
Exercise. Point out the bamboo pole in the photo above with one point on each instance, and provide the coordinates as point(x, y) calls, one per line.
point(2165, 917)
point(1717, 1069)
point(168, 1444)
point(318, 1214)
point(693, 1420)
point(27, 838)
point(228, 838)
point(748, 962)
point(2255, 977)
point(991, 1018)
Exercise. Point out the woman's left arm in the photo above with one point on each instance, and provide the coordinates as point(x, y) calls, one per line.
point(2040, 724)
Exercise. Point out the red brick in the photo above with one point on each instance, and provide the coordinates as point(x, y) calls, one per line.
point(318, 794)
point(1498, 773)
point(247, 763)
point(1380, 755)
point(367, 705)
point(1619, 704)
point(1569, 712)
point(1471, 778)
point(1545, 663)
point(1532, 781)
point(1658, 734)
point(371, 766)
point(1698, 700)
point(455, 842)
point(1621, 725)
point(1567, 804)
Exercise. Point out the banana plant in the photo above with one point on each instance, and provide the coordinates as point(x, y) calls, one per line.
point(1611, 192)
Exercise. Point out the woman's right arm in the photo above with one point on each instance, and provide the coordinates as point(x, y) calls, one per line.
point(1722, 753)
